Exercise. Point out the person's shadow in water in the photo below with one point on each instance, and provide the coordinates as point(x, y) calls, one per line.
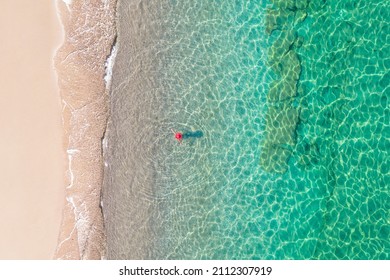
point(193, 134)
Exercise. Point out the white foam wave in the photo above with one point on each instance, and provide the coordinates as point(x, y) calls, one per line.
point(109, 64)
point(70, 153)
point(67, 3)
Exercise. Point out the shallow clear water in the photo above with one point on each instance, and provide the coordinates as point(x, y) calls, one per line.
point(208, 66)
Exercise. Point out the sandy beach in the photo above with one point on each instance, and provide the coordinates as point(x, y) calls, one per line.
point(32, 165)
point(54, 99)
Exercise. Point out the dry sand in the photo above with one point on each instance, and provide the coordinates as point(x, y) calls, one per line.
point(32, 158)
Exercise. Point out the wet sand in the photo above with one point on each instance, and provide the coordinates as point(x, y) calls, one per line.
point(32, 158)
point(81, 64)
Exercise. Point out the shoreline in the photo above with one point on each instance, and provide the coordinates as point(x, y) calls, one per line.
point(81, 67)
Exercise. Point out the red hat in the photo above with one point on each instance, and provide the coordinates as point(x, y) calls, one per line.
point(178, 136)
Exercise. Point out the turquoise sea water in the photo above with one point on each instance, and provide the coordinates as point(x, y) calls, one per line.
point(301, 175)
